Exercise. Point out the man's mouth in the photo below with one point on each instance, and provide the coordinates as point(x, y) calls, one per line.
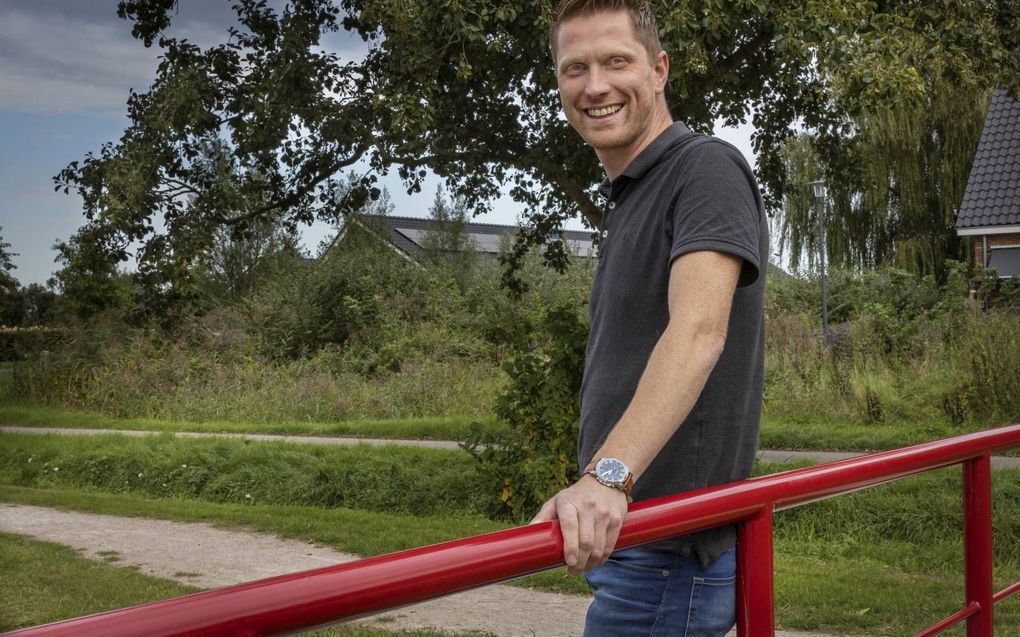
point(602, 111)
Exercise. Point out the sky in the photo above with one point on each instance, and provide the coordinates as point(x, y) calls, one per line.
point(66, 67)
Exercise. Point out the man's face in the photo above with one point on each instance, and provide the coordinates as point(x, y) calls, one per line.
point(608, 85)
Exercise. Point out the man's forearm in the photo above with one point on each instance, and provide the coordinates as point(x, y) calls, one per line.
point(672, 381)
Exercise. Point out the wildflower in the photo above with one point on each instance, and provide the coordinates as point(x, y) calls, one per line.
point(30, 459)
point(247, 495)
point(140, 474)
point(184, 466)
point(56, 468)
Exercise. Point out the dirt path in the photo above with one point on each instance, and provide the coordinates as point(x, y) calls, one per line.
point(202, 555)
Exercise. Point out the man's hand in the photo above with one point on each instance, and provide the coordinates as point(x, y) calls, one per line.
point(590, 516)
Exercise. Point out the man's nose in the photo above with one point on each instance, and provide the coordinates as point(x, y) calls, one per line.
point(596, 86)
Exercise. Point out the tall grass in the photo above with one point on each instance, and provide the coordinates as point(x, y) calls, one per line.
point(202, 376)
point(900, 350)
point(360, 336)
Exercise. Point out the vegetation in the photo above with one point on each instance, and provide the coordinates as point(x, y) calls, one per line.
point(902, 349)
point(436, 428)
point(894, 184)
point(535, 456)
point(361, 334)
point(41, 582)
point(874, 535)
point(220, 143)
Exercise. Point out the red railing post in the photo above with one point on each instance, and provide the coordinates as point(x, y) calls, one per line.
point(977, 543)
point(755, 591)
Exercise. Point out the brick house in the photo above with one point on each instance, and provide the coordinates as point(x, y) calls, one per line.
point(990, 211)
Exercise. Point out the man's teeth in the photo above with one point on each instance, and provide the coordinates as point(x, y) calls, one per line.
point(602, 112)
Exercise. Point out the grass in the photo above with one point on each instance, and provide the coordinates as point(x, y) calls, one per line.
point(776, 433)
point(439, 428)
point(363, 533)
point(42, 582)
point(827, 435)
point(393, 478)
point(861, 594)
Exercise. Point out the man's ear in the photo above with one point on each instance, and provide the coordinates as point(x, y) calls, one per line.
point(661, 69)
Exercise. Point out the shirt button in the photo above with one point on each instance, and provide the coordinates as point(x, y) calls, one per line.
point(612, 204)
point(605, 233)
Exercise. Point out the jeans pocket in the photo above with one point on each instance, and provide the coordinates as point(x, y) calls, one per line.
point(645, 562)
point(713, 608)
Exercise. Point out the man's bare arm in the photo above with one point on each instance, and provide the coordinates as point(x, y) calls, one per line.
point(701, 286)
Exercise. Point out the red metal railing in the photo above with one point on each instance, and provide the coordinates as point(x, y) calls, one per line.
point(327, 595)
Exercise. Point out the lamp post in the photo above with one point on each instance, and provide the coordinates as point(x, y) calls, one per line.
point(819, 191)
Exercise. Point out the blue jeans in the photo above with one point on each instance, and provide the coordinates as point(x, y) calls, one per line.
point(648, 593)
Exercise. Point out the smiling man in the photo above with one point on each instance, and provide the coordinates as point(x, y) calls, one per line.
point(671, 396)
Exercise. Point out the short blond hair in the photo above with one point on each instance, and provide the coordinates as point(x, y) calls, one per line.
point(641, 17)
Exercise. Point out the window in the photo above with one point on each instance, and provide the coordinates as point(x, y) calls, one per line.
point(1005, 260)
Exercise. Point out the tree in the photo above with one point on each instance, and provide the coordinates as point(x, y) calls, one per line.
point(450, 243)
point(241, 256)
point(466, 89)
point(40, 302)
point(896, 183)
point(12, 303)
point(88, 281)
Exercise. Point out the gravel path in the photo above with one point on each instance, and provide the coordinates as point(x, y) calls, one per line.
point(203, 555)
point(767, 455)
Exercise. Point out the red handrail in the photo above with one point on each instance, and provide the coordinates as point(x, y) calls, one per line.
point(327, 595)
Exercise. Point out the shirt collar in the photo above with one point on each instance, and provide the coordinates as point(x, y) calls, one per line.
point(647, 158)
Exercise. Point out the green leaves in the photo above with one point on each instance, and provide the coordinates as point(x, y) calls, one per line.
point(537, 457)
point(465, 89)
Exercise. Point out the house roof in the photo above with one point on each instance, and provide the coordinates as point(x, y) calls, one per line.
point(408, 234)
point(992, 197)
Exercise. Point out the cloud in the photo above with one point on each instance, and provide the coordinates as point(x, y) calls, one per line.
point(60, 62)
point(69, 57)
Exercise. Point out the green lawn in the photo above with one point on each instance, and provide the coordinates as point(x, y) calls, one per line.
point(444, 428)
point(775, 433)
point(833, 584)
point(885, 561)
point(42, 582)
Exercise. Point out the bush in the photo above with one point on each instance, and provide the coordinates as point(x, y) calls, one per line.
point(537, 456)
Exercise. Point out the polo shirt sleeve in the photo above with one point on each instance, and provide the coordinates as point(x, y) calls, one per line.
point(716, 207)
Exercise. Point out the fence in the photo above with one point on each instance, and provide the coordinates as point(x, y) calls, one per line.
point(327, 595)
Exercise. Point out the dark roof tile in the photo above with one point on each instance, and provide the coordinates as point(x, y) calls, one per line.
point(992, 197)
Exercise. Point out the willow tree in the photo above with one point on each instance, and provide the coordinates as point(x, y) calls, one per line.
point(895, 181)
point(465, 88)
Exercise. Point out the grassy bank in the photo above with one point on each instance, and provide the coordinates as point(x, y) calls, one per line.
point(894, 550)
point(439, 428)
point(838, 589)
point(790, 433)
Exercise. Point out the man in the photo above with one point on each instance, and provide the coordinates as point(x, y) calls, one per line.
point(671, 396)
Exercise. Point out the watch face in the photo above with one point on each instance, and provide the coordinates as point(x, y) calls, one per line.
point(611, 470)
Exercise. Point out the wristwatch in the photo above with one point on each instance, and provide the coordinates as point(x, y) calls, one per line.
point(612, 473)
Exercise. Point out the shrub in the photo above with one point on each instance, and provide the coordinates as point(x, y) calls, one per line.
point(537, 456)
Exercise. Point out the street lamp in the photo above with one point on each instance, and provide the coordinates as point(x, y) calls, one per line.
point(819, 190)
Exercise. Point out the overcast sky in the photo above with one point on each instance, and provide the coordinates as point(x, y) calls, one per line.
point(66, 67)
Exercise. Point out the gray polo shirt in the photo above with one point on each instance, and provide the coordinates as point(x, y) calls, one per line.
point(684, 193)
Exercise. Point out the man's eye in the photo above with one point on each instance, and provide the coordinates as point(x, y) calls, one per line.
point(575, 68)
point(617, 61)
